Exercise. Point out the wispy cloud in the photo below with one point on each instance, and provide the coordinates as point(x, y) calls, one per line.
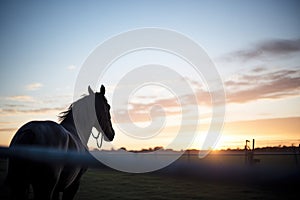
point(34, 86)
point(21, 98)
point(144, 109)
point(71, 67)
point(259, 69)
point(8, 129)
point(271, 85)
point(6, 123)
point(266, 49)
point(251, 86)
point(14, 111)
point(24, 104)
point(141, 112)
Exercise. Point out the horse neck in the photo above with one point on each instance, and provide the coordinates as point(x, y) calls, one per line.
point(83, 128)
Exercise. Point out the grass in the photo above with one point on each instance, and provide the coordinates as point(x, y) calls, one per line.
point(109, 184)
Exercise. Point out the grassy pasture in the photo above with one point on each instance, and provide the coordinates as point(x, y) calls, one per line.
point(109, 184)
point(286, 159)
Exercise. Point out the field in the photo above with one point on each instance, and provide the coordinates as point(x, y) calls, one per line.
point(178, 181)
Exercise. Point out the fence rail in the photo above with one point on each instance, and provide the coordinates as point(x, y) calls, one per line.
point(210, 168)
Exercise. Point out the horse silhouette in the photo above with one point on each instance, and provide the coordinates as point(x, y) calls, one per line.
point(70, 135)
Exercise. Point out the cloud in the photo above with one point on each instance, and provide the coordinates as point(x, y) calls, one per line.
point(71, 67)
point(258, 83)
point(5, 123)
point(139, 111)
point(14, 111)
point(259, 69)
point(265, 49)
point(33, 86)
point(266, 85)
point(24, 104)
point(8, 129)
point(251, 86)
point(21, 98)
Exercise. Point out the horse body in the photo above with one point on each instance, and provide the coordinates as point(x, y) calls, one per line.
point(45, 134)
point(48, 179)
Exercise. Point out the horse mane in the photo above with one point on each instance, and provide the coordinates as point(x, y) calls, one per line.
point(64, 114)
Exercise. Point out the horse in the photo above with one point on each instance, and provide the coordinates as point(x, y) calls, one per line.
point(48, 180)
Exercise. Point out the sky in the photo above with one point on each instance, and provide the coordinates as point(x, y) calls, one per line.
point(255, 46)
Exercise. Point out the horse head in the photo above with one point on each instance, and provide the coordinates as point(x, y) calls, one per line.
point(103, 123)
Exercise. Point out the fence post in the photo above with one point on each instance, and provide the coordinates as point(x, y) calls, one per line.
point(247, 152)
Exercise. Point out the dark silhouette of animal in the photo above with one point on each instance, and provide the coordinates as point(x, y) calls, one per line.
point(70, 135)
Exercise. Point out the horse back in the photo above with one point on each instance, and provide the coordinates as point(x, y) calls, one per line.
point(46, 134)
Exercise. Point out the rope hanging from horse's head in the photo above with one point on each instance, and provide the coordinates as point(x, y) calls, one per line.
point(99, 133)
point(97, 137)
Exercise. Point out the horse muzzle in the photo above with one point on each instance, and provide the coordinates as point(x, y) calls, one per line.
point(109, 136)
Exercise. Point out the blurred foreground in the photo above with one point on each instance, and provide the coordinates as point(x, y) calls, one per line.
point(218, 176)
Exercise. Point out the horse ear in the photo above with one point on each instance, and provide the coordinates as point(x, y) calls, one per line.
point(90, 90)
point(102, 90)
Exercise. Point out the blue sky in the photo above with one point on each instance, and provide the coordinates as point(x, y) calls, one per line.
point(40, 40)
